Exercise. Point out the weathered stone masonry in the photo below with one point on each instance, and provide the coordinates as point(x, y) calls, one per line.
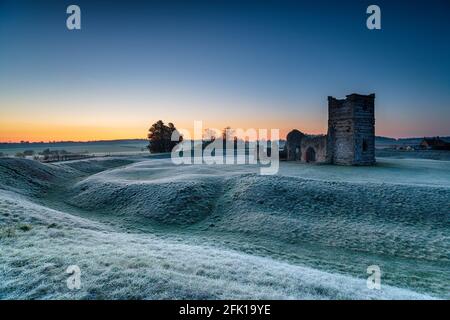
point(350, 139)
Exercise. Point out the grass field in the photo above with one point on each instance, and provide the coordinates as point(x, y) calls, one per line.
point(143, 228)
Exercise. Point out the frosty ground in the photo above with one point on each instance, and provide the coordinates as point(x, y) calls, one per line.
point(143, 228)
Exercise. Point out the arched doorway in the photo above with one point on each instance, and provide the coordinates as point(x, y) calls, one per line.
point(310, 155)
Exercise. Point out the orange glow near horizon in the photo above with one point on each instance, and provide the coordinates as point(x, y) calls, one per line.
point(42, 132)
point(16, 131)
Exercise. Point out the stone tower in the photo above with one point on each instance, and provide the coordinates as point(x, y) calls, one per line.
point(351, 130)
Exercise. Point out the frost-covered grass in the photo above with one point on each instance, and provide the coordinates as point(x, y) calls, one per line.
point(146, 229)
point(414, 154)
point(141, 266)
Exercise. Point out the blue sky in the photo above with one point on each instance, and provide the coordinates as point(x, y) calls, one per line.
point(239, 63)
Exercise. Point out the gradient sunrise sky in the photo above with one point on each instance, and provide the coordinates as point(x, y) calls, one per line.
point(247, 64)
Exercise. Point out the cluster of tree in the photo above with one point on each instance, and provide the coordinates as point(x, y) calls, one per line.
point(160, 137)
point(48, 152)
point(24, 154)
point(60, 155)
point(227, 134)
point(211, 135)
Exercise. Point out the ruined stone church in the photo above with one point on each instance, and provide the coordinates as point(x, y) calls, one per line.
point(350, 139)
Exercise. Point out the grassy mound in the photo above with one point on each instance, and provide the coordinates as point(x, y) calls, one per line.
point(29, 177)
point(221, 231)
point(116, 265)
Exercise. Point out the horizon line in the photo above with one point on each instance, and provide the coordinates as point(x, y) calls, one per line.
point(24, 142)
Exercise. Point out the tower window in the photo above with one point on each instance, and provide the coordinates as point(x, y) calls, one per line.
point(365, 146)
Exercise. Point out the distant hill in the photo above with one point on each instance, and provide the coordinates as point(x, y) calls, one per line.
point(12, 144)
point(103, 146)
point(386, 141)
point(381, 141)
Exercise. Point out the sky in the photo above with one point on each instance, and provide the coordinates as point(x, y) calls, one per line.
point(244, 64)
